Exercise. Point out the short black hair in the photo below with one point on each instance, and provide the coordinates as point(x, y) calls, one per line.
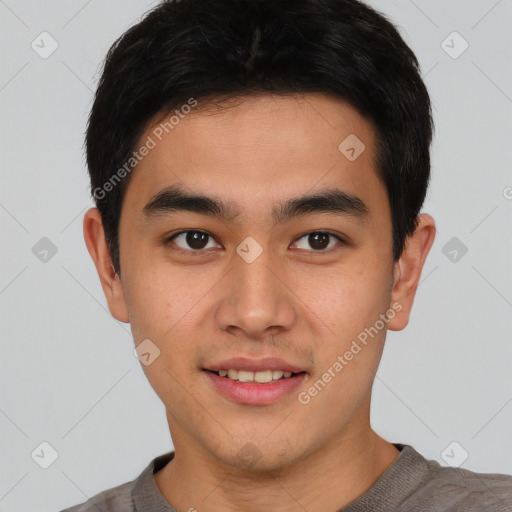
point(220, 49)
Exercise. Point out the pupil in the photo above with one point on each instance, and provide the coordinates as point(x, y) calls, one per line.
point(196, 239)
point(319, 240)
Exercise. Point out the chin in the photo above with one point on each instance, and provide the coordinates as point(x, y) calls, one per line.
point(258, 457)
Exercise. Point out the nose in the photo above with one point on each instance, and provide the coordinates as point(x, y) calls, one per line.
point(256, 300)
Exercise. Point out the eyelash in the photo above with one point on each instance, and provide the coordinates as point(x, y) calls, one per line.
point(201, 252)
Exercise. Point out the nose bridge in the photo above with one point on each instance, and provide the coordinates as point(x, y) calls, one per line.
point(255, 282)
point(255, 299)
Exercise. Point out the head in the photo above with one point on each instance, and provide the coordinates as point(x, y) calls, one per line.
point(258, 170)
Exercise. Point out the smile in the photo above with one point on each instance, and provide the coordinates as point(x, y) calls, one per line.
point(254, 388)
point(260, 376)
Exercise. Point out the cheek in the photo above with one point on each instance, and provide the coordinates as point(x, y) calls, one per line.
point(159, 299)
point(141, 293)
point(161, 310)
point(345, 299)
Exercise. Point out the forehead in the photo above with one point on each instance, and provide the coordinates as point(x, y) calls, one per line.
point(252, 149)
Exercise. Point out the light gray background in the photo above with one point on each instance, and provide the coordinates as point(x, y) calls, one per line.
point(68, 373)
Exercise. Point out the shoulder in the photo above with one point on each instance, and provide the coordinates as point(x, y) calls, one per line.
point(469, 490)
point(130, 496)
point(456, 489)
point(116, 499)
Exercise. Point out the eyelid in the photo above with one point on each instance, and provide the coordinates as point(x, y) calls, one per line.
point(340, 239)
point(169, 239)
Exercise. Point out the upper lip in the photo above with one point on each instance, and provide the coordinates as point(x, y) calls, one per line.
point(254, 365)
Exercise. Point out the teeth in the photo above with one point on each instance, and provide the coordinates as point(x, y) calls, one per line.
point(261, 377)
point(265, 376)
point(244, 376)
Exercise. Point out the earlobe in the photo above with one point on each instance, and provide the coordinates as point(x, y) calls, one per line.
point(408, 270)
point(97, 246)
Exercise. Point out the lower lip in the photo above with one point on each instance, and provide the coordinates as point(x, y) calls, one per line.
point(253, 393)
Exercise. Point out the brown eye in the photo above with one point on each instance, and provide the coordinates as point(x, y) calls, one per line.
point(319, 241)
point(192, 240)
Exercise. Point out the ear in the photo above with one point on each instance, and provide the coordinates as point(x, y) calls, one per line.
point(407, 271)
point(98, 249)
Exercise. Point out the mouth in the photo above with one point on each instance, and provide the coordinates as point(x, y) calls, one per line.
point(254, 388)
point(259, 377)
point(253, 381)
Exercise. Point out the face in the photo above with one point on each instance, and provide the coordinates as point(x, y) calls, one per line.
point(293, 261)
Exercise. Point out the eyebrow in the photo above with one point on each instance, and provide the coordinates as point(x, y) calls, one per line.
point(176, 199)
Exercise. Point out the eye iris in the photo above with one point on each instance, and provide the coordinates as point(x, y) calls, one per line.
point(318, 240)
point(196, 239)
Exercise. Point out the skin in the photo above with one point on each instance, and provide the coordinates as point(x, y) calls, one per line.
point(293, 302)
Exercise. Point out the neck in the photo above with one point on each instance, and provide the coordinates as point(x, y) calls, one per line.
point(326, 479)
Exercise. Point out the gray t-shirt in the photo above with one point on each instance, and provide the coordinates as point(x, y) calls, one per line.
point(411, 483)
